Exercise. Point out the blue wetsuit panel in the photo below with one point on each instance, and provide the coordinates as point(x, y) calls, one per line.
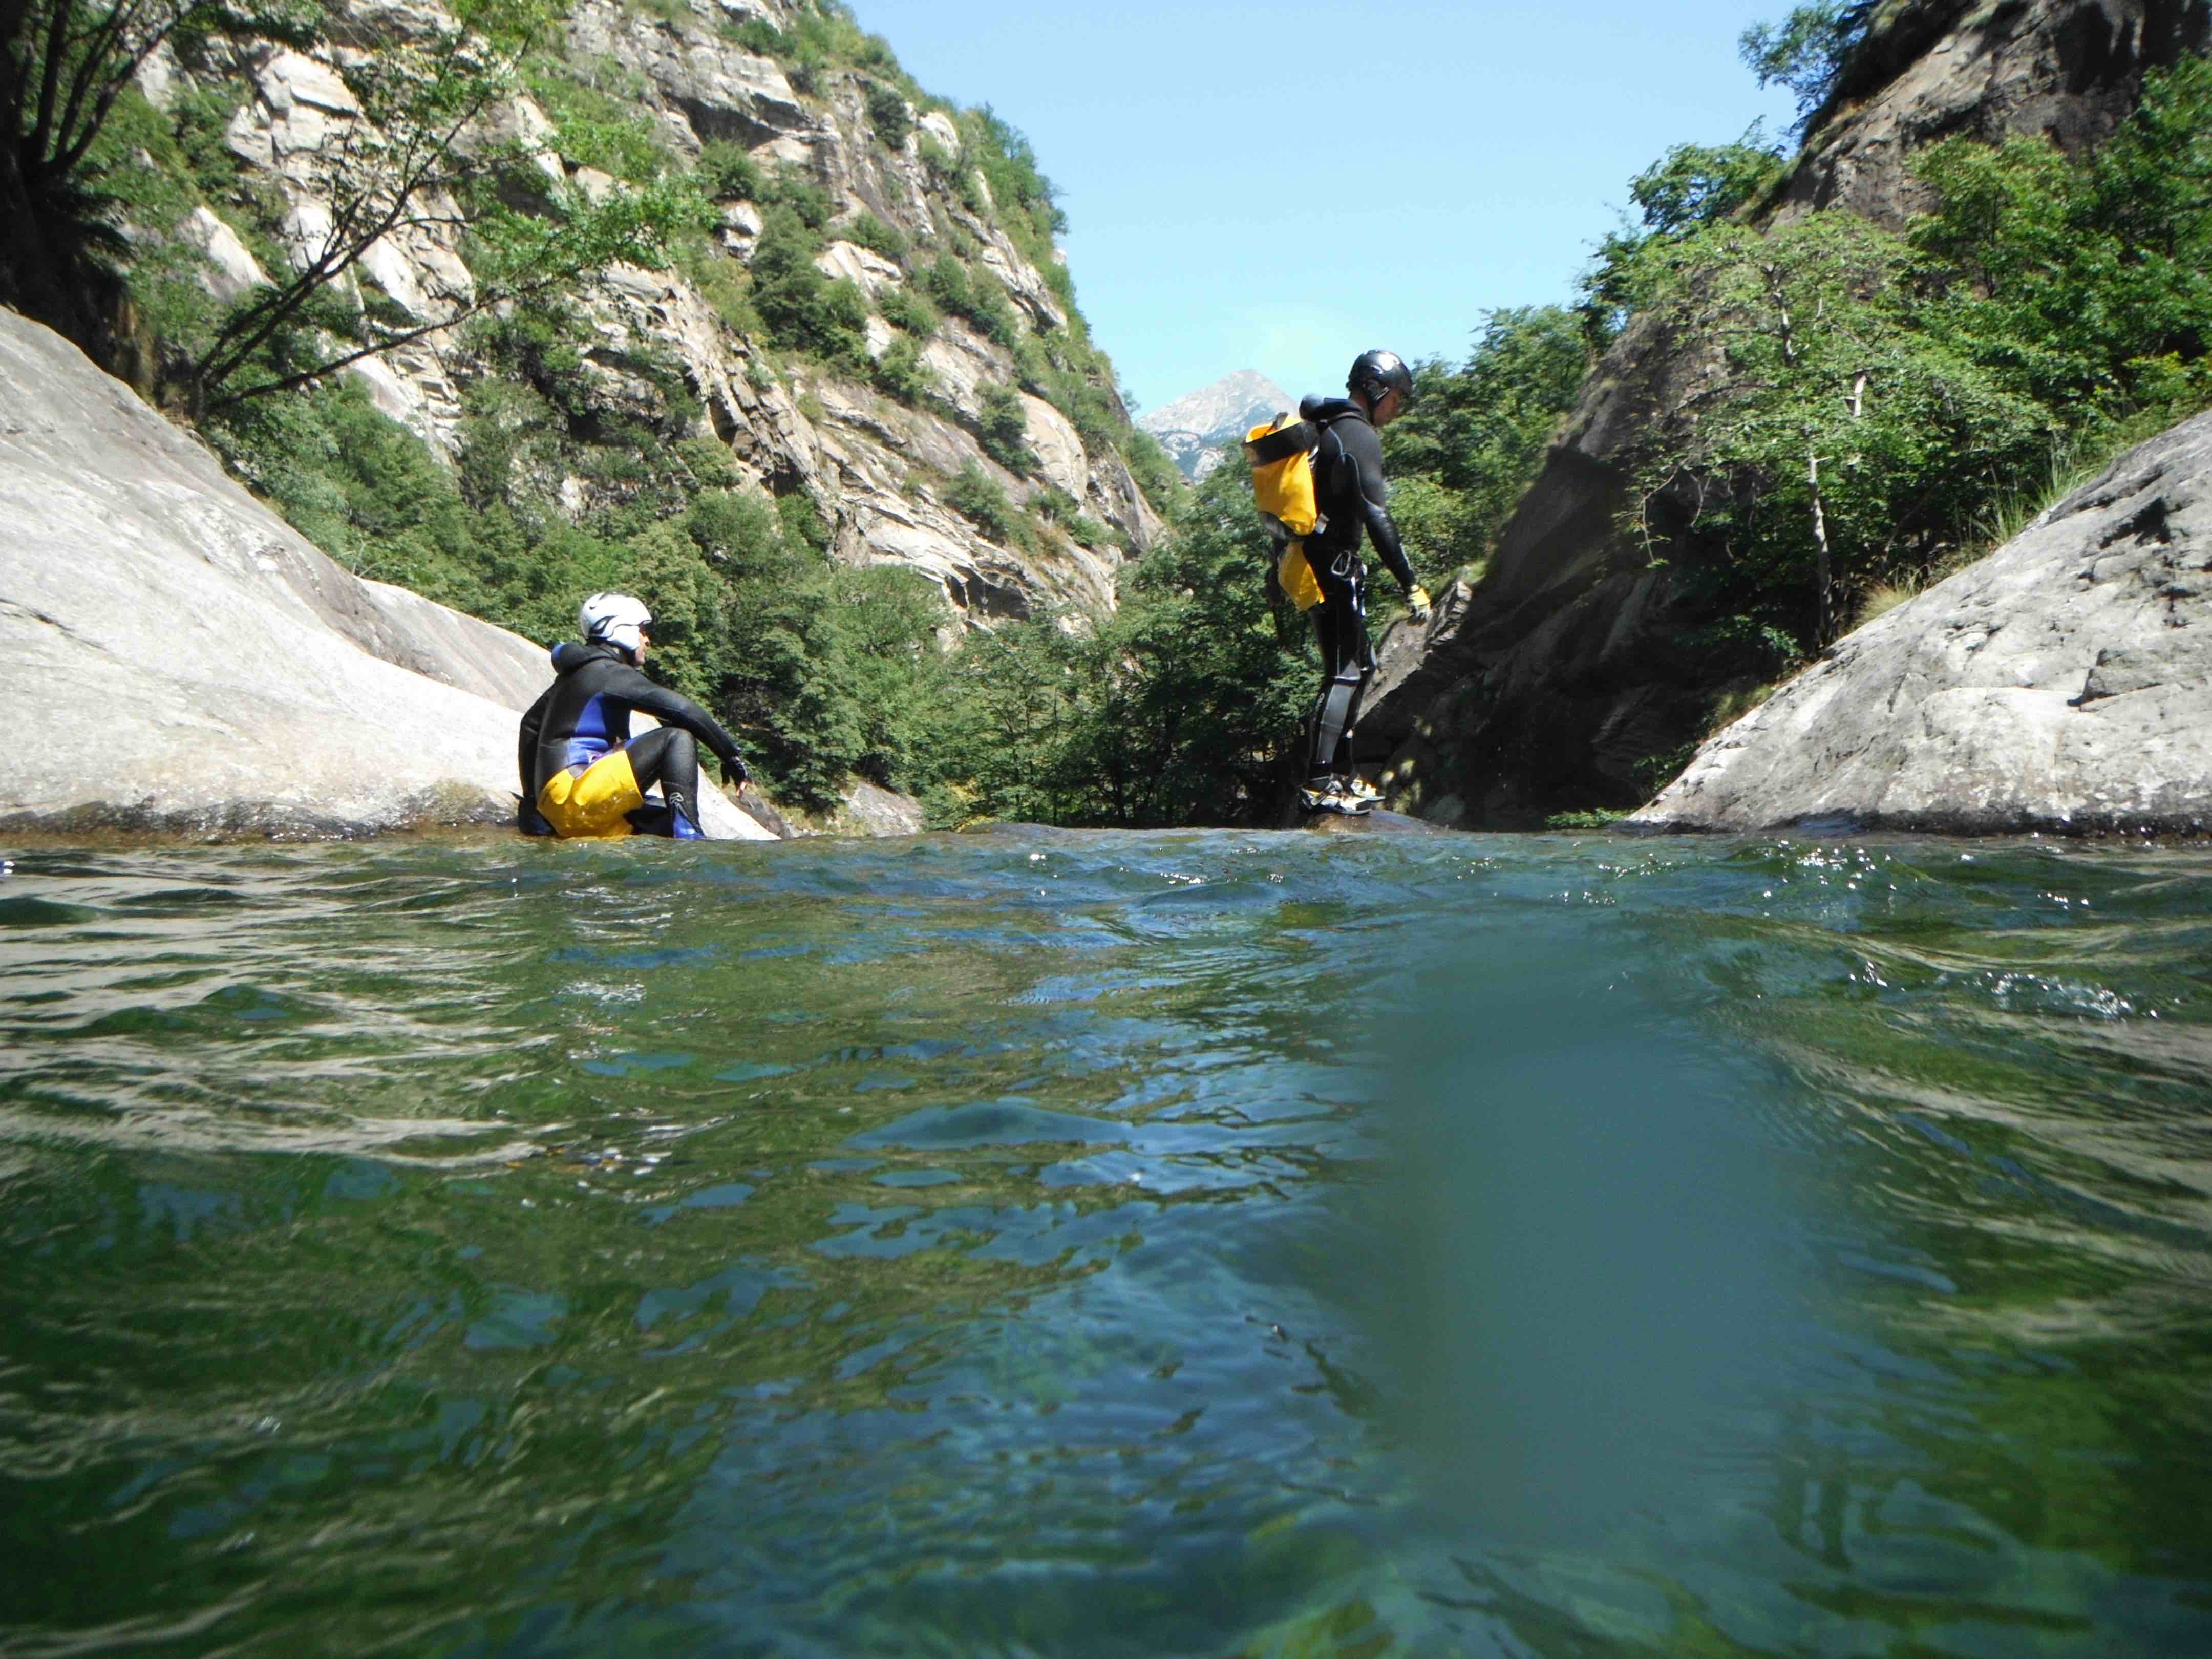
point(601, 725)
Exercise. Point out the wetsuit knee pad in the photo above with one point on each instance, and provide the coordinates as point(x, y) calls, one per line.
point(594, 801)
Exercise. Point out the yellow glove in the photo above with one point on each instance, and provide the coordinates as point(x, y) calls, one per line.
point(1417, 603)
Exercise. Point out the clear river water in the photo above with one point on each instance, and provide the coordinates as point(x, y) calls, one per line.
point(1053, 1244)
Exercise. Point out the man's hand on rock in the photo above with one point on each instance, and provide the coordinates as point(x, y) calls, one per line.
point(1417, 603)
point(734, 774)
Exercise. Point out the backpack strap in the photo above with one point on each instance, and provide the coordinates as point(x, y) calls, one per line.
point(1281, 444)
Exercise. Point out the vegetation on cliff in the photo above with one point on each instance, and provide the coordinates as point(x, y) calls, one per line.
point(1887, 395)
point(505, 151)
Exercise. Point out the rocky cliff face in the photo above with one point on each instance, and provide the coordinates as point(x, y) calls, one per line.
point(180, 660)
point(1193, 427)
point(1935, 69)
point(1566, 670)
point(2063, 683)
point(876, 468)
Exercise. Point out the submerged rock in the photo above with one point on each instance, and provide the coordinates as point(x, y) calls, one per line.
point(181, 659)
point(2064, 682)
point(1377, 822)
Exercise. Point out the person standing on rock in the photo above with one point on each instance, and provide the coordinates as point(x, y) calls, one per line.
point(583, 774)
point(1349, 492)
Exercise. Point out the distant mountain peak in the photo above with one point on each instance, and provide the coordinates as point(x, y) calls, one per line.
point(1193, 427)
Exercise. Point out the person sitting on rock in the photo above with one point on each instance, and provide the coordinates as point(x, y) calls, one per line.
point(1349, 490)
point(583, 774)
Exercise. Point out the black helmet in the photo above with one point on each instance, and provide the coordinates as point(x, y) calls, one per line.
point(1375, 373)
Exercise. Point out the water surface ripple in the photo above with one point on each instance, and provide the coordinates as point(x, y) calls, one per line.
point(1056, 1244)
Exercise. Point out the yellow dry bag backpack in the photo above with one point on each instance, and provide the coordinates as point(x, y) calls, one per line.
point(1281, 454)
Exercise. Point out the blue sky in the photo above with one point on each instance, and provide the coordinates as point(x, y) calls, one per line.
point(1279, 186)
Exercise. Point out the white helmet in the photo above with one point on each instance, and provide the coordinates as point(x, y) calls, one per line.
point(617, 619)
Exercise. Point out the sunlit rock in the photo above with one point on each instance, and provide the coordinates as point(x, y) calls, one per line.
point(2064, 682)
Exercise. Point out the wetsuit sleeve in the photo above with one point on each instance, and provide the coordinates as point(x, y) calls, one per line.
point(526, 748)
point(1362, 448)
point(526, 766)
point(671, 709)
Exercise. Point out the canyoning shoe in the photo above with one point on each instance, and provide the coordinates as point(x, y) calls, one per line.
point(1360, 789)
point(1334, 796)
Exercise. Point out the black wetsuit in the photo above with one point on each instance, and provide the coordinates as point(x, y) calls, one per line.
point(584, 714)
point(1349, 490)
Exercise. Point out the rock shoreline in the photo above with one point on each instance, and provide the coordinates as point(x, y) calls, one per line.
point(182, 662)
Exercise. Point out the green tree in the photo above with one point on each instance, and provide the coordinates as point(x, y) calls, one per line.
point(1460, 458)
point(401, 165)
point(1809, 51)
point(66, 67)
point(1843, 440)
point(1015, 738)
point(2086, 285)
point(1691, 186)
point(1207, 687)
point(1179, 709)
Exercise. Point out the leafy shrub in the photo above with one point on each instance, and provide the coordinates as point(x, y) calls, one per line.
point(675, 12)
point(723, 282)
point(756, 35)
point(1090, 409)
point(791, 188)
point(802, 522)
point(1057, 507)
point(975, 495)
point(979, 299)
point(907, 308)
point(1003, 428)
point(729, 174)
point(900, 371)
point(593, 108)
point(1155, 474)
point(800, 306)
point(889, 114)
point(872, 233)
point(1028, 204)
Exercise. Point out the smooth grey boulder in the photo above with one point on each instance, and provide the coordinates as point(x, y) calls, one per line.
point(2063, 683)
point(180, 659)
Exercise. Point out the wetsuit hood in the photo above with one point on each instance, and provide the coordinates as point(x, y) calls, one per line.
point(568, 656)
point(1318, 408)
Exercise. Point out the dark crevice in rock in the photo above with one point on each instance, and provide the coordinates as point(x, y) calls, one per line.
point(51, 622)
point(2147, 525)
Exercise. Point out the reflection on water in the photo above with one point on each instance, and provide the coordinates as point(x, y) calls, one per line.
point(1050, 1244)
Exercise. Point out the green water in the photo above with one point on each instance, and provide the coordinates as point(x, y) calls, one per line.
point(1100, 1244)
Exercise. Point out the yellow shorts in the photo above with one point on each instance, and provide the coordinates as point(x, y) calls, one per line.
point(592, 801)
